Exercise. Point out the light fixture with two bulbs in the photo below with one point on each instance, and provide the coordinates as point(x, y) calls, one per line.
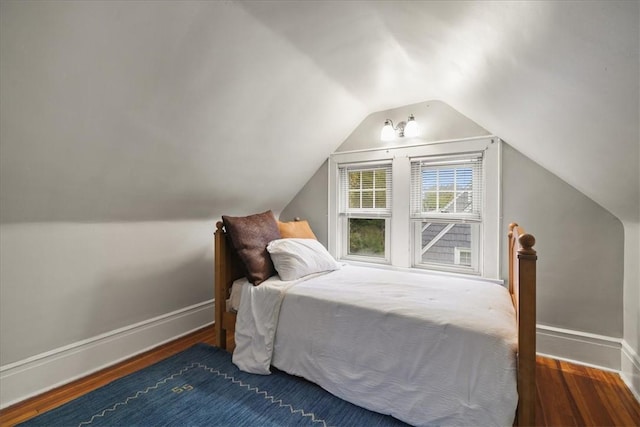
point(403, 129)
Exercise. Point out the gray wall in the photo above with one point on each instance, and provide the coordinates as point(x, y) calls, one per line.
point(311, 204)
point(580, 244)
point(436, 120)
point(126, 130)
point(65, 282)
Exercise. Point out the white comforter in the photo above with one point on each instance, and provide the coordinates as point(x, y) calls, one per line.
point(426, 349)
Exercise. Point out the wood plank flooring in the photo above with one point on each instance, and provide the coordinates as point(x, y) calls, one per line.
point(575, 395)
point(568, 394)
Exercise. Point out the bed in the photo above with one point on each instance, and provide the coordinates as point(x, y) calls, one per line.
point(504, 374)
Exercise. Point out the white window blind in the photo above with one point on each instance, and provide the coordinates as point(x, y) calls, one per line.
point(447, 188)
point(365, 190)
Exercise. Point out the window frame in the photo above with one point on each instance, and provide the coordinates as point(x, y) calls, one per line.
point(401, 227)
point(365, 258)
point(346, 212)
point(473, 160)
point(458, 251)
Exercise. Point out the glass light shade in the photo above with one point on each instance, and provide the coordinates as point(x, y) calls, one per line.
point(387, 133)
point(411, 128)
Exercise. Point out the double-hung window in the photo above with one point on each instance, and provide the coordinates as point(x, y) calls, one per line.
point(365, 211)
point(446, 212)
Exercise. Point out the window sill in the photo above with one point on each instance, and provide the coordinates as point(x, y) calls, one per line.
point(420, 271)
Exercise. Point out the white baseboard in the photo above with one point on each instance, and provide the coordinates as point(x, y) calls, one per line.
point(630, 371)
point(34, 375)
point(598, 351)
point(581, 347)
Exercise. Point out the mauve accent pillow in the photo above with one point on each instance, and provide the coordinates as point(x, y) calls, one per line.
point(250, 236)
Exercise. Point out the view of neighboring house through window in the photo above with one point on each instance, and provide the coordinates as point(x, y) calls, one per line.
point(446, 211)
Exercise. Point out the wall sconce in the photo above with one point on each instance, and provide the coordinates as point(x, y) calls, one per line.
point(408, 129)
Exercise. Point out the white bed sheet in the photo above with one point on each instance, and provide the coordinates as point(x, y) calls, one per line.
point(427, 349)
point(258, 310)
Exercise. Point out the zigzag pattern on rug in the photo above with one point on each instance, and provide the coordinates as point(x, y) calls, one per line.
point(224, 375)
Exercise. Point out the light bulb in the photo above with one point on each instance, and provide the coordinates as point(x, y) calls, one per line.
point(411, 128)
point(387, 133)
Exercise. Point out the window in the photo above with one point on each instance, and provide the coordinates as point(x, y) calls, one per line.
point(446, 211)
point(429, 206)
point(462, 256)
point(365, 209)
point(366, 237)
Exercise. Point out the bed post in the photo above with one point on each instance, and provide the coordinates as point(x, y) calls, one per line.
point(522, 284)
point(219, 285)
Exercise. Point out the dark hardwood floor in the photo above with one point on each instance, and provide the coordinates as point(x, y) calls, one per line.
point(568, 394)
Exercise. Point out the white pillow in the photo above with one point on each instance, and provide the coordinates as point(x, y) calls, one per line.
point(294, 258)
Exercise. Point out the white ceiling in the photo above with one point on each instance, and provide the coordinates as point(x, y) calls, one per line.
point(170, 110)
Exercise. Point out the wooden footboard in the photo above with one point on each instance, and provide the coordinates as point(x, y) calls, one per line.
point(522, 286)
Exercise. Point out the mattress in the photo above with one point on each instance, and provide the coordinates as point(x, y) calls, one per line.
point(426, 349)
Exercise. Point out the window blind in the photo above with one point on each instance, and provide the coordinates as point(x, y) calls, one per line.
point(365, 190)
point(448, 188)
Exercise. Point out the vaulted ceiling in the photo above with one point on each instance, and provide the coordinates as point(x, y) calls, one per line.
point(116, 111)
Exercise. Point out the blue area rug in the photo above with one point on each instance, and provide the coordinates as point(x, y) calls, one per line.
point(202, 387)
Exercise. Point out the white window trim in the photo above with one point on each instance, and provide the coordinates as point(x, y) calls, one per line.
point(401, 225)
point(459, 251)
point(345, 213)
point(474, 218)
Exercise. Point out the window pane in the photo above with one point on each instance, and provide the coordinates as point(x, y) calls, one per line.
point(381, 178)
point(354, 180)
point(430, 202)
point(366, 237)
point(464, 178)
point(463, 201)
point(447, 189)
point(446, 201)
point(429, 180)
point(354, 199)
point(464, 257)
point(447, 243)
point(366, 191)
point(367, 179)
point(446, 178)
point(367, 199)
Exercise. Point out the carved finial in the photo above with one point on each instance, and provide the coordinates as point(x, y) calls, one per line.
point(219, 225)
point(512, 226)
point(527, 241)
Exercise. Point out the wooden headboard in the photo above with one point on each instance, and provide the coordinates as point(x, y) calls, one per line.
point(228, 268)
point(522, 286)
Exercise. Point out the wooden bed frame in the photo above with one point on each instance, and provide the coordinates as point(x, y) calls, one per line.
point(522, 286)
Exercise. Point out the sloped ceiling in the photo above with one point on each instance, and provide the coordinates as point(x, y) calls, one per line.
point(126, 111)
